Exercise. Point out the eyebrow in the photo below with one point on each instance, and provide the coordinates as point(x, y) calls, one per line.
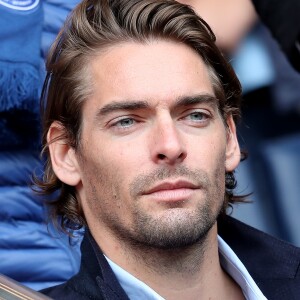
point(124, 105)
point(197, 99)
point(138, 104)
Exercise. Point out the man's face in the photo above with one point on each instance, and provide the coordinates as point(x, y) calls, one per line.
point(154, 149)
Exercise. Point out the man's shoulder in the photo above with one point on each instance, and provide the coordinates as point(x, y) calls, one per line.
point(65, 291)
point(259, 248)
point(80, 286)
point(95, 279)
point(83, 287)
point(274, 264)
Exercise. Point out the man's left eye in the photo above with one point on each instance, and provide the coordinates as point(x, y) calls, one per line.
point(197, 116)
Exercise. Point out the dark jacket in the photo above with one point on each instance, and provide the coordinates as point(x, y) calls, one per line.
point(273, 264)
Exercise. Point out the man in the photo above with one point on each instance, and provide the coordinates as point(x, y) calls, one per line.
point(139, 114)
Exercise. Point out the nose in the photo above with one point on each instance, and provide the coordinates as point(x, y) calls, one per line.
point(168, 146)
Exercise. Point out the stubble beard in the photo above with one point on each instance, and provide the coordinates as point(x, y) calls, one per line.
point(176, 228)
point(177, 240)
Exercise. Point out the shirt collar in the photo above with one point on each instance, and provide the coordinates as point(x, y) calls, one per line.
point(236, 269)
point(136, 289)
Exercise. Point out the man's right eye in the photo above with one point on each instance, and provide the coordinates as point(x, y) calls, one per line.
point(125, 122)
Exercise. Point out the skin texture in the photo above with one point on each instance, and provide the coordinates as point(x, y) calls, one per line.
point(150, 168)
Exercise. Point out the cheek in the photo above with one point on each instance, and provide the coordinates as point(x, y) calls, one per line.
point(217, 179)
point(106, 174)
point(209, 153)
point(101, 195)
point(211, 158)
point(126, 160)
point(113, 162)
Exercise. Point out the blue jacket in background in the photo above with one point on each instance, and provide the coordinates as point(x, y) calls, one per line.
point(28, 253)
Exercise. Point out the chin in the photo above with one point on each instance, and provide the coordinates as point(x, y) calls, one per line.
point(175, 228)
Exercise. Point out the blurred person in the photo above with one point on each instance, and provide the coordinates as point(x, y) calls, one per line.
point(27, 253)
point(282, 18)
point(139, 115)
point(231, 20)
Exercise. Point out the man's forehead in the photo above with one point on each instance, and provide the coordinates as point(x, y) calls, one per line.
point(159, 70)
point(131, 55)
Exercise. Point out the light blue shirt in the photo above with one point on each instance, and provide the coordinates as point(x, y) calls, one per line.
point(137, 290)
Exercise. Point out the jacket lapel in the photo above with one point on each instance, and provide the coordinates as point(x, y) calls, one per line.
point(96, 277)
point(273, 264)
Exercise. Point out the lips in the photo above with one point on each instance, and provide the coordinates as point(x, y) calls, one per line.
point(172, 188)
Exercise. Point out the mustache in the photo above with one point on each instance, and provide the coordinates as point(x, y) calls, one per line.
point(144, 181)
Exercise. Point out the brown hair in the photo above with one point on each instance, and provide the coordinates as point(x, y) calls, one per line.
point(95, 25)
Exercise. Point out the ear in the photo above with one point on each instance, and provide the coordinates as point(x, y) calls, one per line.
point(63, 157)
point(233, 154)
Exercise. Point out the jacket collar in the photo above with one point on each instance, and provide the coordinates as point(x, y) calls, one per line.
point(95, 273)
point(267, 259)
point(263, 255)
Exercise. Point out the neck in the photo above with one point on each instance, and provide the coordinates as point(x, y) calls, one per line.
point(185, 273)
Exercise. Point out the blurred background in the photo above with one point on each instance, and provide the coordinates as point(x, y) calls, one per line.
point(269, 131)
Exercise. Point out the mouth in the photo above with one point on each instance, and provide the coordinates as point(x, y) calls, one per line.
point(172, 191)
